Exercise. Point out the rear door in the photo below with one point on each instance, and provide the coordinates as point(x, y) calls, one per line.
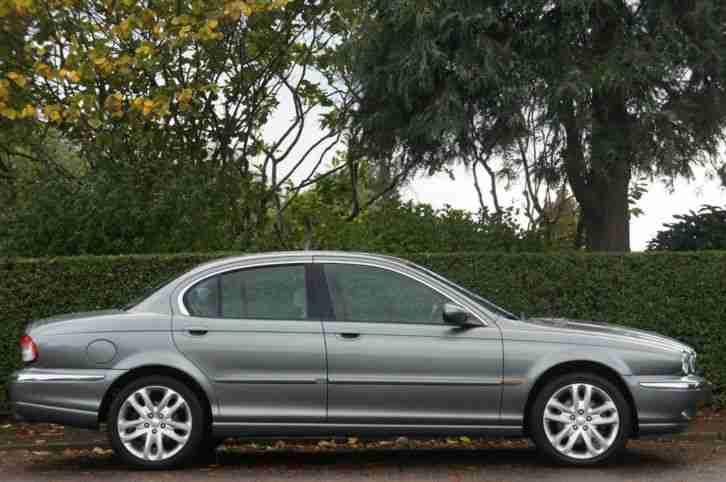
point(393, 360)
point(252, 332)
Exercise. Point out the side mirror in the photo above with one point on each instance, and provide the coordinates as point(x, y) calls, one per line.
point(456, 315)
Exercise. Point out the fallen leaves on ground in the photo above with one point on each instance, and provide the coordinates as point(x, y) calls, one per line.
point(355, 443)
point(101, 451)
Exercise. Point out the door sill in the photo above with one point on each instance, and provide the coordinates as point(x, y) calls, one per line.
point(286, 429)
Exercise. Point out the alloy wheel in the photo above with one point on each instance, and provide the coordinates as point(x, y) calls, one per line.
point(581, 421)
point(154, 423)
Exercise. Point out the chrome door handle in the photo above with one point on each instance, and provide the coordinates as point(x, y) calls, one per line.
point(349, 336)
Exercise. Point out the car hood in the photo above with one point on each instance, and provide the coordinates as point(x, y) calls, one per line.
point(68, 318)
point(616, 332)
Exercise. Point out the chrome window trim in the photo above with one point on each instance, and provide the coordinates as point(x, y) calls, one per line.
point(180, 297)
point(456, 297)
point(316, 259)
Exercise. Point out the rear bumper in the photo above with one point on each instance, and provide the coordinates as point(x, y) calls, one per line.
point(35, 413)
point(65, 397)
point(666, 404)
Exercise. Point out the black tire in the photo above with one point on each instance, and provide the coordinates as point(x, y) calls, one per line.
point(207, 452)
point(197, 434)
point(537, 425)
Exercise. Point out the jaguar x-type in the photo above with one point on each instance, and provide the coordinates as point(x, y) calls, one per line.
point(335, 344)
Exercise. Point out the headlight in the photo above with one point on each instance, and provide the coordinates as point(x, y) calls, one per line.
point(688, 362)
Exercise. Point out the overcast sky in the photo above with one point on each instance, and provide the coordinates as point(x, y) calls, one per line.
point(659, 204)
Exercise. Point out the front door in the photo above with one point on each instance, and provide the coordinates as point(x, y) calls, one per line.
point(393, 360)
point(251, 331)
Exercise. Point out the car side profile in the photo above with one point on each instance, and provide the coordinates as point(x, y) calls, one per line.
point(336, 344)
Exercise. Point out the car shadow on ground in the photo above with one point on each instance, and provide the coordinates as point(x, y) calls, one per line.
point(367, 461)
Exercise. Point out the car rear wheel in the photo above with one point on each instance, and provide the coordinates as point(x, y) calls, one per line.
point(156, 422)
point(580, 419)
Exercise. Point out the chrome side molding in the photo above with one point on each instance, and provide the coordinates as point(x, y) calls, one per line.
point(57, 377)
point(685, 383)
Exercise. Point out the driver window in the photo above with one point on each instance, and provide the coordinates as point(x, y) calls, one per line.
point(365, 293)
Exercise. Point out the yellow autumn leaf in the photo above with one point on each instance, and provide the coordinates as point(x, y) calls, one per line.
point(236, 9)
point(181, 20)
point(28, 111)
point(148, 106)
point(184, 96)
point(212, 24)
point(4, 92)
point(53, 112)
point(19, 79)
point(23, 6)
point(114, 104)
point(148, 16)
point(124, 60)
point(9, 113)
point(72, 114)
point(44, 69)
point(162, 106)
point(144, 50)
point(73, 76)
point(123, 29)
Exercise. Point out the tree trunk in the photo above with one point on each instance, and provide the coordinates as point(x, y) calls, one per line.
point(601, 186)
point(607, 224)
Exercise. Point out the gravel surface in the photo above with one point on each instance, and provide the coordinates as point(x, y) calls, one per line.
point(490, 461)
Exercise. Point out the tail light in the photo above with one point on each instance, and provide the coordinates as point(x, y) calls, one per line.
point(28, 349)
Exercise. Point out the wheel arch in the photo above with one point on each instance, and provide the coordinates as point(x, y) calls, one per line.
point(158, 370)
point(563, 368)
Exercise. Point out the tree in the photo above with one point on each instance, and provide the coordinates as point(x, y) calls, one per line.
point(631, 87)
point(695, 231)
point(168, 103)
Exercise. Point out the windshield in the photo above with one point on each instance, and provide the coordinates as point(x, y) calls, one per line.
point(469, 294)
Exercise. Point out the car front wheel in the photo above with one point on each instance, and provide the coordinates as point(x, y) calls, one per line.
point(156, 422)
point(580, 419)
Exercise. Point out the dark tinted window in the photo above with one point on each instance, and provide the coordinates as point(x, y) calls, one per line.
point(203, 298)
point(365, 293)
point(274, 292)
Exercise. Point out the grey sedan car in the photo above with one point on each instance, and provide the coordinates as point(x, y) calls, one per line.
point(333, 344)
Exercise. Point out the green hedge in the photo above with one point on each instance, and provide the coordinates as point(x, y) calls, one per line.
point(682, 295)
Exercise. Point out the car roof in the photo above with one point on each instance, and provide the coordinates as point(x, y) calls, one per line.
point(291, 255)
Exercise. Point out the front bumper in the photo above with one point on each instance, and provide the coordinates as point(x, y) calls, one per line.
point(65, 397)
point(666, 404)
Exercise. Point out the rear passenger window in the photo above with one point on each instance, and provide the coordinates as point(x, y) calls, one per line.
point(203, 298)
point(274, 293)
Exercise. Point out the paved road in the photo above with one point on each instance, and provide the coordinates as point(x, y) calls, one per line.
point(644, 461)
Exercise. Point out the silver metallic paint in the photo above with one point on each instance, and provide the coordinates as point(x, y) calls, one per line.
point(430, 380)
